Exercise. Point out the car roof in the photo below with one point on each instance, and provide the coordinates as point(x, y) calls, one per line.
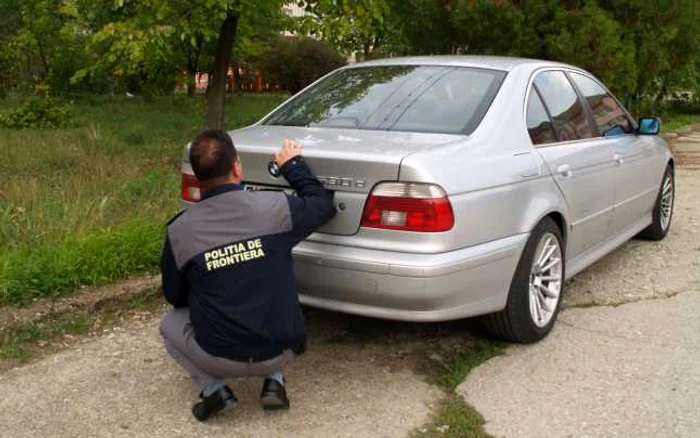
point(503, 63)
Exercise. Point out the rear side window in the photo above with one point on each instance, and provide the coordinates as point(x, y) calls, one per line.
point(569, 118)
point(607, 113)
point(438, 99)
point(539, 126)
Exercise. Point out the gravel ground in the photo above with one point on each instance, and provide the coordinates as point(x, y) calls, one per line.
point(628, 370)
point(124, 384)
point(643, 270)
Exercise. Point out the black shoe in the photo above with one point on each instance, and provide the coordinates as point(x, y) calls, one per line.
point(273, 396)
point(221, 399)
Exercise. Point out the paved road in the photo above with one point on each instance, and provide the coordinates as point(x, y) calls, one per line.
point(630, 370)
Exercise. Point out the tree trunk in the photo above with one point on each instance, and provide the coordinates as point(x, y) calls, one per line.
point(192, 75)
point(366, 51)
point(216, 96)
point(42, 57)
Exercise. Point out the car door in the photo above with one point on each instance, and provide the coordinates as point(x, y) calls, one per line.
point(636, 182)
point(581, 164)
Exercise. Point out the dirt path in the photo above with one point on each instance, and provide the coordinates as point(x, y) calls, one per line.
point(630, 370)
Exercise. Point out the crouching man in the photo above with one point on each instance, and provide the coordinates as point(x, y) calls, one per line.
point(227, 270)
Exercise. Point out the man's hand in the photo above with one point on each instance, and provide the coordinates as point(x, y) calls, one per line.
point(290, 149)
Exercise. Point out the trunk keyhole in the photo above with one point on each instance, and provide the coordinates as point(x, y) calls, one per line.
point(341, 206)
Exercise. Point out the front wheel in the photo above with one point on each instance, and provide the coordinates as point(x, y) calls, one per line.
point(535, 291)
point(663, 209)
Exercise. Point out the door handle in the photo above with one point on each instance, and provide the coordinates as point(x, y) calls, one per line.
point(618, 159)
point(564, 170)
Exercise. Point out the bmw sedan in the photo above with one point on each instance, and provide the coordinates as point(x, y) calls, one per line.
point(465, 186)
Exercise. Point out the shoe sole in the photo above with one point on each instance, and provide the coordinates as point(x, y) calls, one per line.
point(271, 403)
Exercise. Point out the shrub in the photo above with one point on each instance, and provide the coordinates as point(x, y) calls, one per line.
point(38, 113)
point(298, 63)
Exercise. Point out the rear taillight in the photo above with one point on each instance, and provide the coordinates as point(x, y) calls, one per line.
point(408, 207)
point(189, 188)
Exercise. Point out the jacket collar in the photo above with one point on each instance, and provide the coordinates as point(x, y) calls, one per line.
point(224, 188)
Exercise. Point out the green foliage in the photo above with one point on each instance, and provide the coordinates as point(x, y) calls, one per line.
point(587, 37)
point(648, 50)
point(91, 258)
point(42, 43)
point(454, 418)
point(38, 112)
point(350, 25)
point(300, 62)
point(150, 41)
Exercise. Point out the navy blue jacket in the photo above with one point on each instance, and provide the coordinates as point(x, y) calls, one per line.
point(229, 258)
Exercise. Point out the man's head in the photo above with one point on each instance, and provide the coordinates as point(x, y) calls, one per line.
point(214, 159)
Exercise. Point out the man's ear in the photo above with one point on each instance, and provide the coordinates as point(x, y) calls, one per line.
point(237, 169)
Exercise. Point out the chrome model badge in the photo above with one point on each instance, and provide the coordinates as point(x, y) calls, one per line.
point(273, 169)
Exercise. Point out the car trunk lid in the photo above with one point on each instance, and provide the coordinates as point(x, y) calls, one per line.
point(349, 162)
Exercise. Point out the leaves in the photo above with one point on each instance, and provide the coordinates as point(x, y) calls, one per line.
point(350, 25)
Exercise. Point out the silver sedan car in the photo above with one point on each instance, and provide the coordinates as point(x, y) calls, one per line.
point(464, 185)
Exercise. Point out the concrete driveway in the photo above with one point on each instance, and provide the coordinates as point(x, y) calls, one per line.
point(627, 371)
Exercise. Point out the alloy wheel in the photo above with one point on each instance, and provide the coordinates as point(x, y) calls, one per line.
point(545, 280)
point(666, 204)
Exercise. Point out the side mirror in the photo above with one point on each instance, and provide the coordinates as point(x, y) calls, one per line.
point(649, 126)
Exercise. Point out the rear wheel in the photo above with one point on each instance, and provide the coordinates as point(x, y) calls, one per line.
point(663, 209)
point(535, 291)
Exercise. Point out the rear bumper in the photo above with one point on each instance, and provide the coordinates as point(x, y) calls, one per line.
point(405, 286)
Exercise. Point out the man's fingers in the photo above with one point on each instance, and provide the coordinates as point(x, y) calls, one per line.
point(289, 150)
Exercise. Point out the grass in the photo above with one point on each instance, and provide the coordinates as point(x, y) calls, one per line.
point(676, 121)
point(454, 417)
point(88, 204)
point(92, 257)
point(16, 344)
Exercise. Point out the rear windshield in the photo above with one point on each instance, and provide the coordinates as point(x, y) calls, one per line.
point(450, 100)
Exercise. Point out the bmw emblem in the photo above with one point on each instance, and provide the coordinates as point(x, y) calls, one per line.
point(273, 169)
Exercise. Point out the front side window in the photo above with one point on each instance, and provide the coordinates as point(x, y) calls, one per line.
point(539, 126)
point(450, 100)
point(569, 118)
point(607, 113)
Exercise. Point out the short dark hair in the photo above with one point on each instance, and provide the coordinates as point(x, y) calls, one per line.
point(212, 154)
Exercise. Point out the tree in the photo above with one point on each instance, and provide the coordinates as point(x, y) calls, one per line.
point(40, 40)
point(148, 38)
point(298, 63)
point(665, 36)
point(350, 25)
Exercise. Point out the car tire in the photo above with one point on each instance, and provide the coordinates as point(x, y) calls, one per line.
point(663, 208)
point(519, 321)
